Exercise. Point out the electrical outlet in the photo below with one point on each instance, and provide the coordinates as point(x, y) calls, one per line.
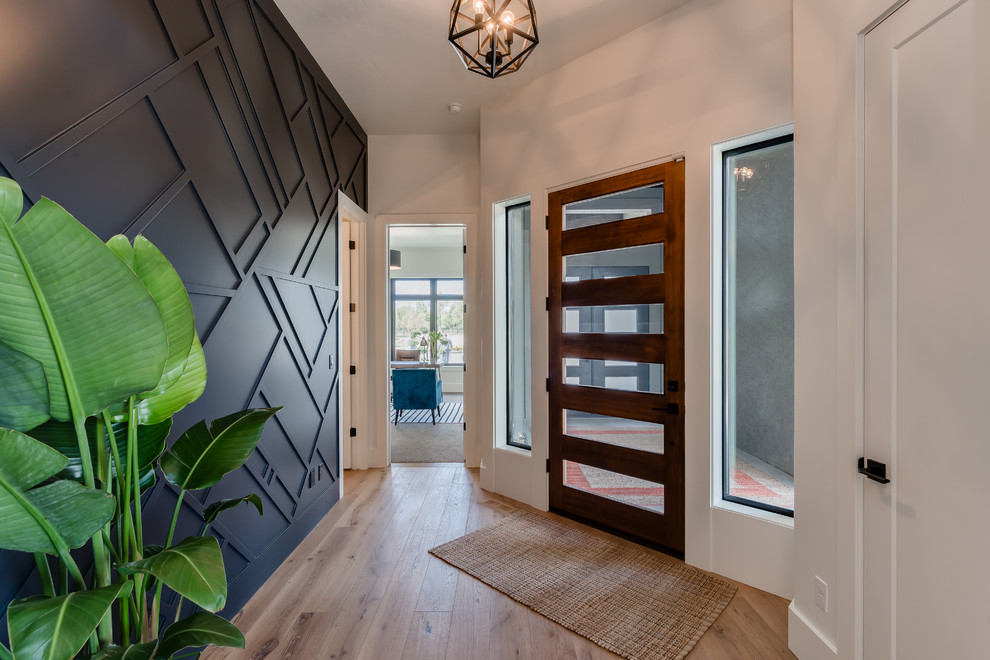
point(821, 594)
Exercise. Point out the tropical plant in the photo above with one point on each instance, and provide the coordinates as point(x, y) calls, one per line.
point(97, 351)
point(435, 339)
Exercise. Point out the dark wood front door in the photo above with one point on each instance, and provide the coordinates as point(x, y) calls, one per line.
point(617, 353)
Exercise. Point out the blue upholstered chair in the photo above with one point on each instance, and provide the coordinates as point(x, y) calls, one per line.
point(416, 389)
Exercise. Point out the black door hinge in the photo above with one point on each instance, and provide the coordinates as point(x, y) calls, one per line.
point(465, 426)
point(548, 384)
point(353, 307)
point(353, 370)
point(548, 222)
point(465, 366)
point(548, 303)
point(351, 245)
point(353, 432)
point(465, 248)
point(548, 466)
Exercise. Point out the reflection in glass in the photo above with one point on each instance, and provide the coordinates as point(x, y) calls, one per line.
point(608, 264)
point(639, 319)
point(630, 433)
point(614, 375)
point(624, 205)
point(614, 486)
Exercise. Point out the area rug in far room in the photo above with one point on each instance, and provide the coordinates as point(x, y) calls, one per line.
point(632, 601)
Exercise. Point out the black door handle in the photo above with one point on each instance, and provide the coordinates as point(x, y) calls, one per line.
point(874, 470)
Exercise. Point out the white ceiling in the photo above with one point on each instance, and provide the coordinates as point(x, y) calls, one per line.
point(392, 64)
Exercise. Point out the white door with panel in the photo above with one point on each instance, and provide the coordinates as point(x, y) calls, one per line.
point(926, 395)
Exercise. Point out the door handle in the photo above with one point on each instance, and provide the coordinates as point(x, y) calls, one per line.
point(874, 470)
point(670, 409)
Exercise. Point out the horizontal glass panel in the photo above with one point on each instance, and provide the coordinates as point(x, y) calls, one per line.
point(614, 375)
point(608, 264)
point(614, 486)
point(450, 287)
point(624, 205)
point(638, 319)
point(617, 431)
point(412, 287)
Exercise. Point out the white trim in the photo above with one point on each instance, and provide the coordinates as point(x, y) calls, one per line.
point(360, 454)
point(806, 641)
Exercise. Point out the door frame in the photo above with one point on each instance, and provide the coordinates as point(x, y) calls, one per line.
point(356, 385)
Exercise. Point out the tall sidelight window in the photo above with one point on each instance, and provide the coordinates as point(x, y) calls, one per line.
point(421, 306)
point(518, 362)
point(758, 325)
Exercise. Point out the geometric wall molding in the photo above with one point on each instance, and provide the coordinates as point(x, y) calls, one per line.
point(206, 126)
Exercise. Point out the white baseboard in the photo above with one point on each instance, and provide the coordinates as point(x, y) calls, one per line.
point(805, 641)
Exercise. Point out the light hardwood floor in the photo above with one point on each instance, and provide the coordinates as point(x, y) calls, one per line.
point(362, 585)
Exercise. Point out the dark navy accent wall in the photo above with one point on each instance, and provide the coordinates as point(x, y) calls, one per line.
point(206, 126)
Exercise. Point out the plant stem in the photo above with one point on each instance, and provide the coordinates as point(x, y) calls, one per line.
point(5, 653)
point(156, 607)
point(178, 610)
point(45, 573)
point(132, 424)
point(63, 579)
point(101, 560)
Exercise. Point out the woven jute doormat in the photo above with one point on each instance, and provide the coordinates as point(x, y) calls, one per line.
point(630, 600)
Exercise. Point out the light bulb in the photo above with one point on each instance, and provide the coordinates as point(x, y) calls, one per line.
point(479, 6)
point(490, 26)
point(508, 18)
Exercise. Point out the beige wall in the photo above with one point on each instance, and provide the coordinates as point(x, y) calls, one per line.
point(712, 70)
point(421, 180)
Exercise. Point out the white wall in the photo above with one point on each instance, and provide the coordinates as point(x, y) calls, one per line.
point(712, 70)
point(421, 180)
point(827, 533)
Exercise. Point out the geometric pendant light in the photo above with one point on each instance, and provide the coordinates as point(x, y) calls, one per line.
point(493, 37)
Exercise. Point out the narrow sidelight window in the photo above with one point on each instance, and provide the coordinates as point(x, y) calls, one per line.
point(517, 305)
point(758, 325)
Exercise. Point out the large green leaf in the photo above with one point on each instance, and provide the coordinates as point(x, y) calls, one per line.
point(56, 628)
point(23, 390)
point(192, 568)
point(211, 512)
point(164, 401)
point(60, 515)
point(200, 629)
point(201, 456)
point(58, 285)
point(62, 437)
point(132, 652)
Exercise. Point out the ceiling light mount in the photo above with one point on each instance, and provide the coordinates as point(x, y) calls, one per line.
point(493, 37)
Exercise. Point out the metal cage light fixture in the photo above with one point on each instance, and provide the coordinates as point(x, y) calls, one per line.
point(493, 37)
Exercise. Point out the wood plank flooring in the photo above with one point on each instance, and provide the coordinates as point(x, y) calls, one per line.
point(362, 586)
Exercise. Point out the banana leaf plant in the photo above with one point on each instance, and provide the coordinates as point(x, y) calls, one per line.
point(98, 350)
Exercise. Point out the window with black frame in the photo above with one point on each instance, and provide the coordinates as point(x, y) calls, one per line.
point(425, 309)
point(518, 327)
point(758, 325)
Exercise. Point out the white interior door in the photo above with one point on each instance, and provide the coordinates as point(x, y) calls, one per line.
point(927, 332)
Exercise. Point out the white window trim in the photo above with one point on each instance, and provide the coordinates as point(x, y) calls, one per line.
point(716, 315)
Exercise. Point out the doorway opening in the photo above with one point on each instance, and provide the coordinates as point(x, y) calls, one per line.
point(426, 343)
